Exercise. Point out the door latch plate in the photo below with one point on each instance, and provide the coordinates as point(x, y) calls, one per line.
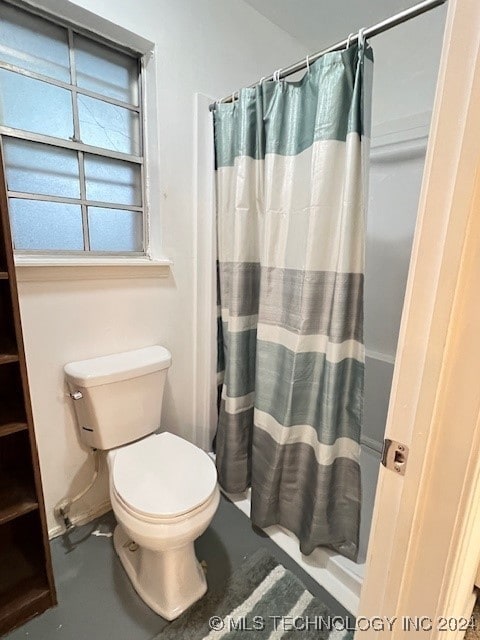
point(395, 456)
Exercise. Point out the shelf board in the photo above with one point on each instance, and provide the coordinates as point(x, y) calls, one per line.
point(12, 406)
point(8, 428)
point(16, 501)
point(26, 600)
point(6, 358)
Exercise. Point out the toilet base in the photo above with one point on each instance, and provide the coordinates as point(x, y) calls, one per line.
point(167, 581)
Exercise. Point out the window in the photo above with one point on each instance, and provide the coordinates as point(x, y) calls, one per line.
point(72, 136)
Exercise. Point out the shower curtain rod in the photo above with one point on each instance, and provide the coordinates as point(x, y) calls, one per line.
point(374, 30)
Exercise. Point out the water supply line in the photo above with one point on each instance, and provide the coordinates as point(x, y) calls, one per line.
point(62, 509)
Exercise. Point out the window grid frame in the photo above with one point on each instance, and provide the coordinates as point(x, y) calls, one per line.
point(74, 143)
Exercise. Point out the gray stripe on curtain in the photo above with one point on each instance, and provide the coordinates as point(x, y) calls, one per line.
point(239, 283)
point(236, 432)
point(306, 302)
point(329, 510)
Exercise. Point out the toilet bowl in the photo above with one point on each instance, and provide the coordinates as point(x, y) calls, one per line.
point(156, 529)
point(163, 489)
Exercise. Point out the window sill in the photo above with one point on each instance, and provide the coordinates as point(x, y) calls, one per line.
point(41, 269)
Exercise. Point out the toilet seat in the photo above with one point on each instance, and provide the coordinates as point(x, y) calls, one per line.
point(162, 477)
point(162, 519)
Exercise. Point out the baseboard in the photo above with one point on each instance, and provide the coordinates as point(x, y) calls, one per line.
point(82, 518)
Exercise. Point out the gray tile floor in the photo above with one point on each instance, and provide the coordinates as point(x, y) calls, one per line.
point(97, 602)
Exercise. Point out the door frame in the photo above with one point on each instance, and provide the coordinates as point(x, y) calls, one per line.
point(424, 547)
point(204, 401)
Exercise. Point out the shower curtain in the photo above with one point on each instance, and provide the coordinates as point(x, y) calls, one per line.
point(290, 176)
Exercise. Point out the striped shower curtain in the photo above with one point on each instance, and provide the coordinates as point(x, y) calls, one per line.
point(290, 231)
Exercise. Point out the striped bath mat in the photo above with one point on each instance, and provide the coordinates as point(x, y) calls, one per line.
point(261, 600)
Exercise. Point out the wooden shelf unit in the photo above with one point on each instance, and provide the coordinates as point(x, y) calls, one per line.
point(26, 578)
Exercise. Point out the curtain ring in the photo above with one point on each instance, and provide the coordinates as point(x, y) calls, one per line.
point(276, 75)
point(361, 37)
point(350, 36)
point(307, 60)
point(233, 97)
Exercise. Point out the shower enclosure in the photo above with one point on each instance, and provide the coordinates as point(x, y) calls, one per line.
point(396, 166)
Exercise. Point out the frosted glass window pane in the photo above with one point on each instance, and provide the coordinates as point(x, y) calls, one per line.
point(106, 71)
point(112, 181)
point(114, 230)
point(35, 106)
point(32, 43)
point(40, 168)
point(38, 225)
point(108, 126)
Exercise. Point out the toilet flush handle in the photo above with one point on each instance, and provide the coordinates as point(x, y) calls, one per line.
point(76, 395)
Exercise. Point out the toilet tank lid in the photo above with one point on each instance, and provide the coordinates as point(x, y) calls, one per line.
point(118, 366)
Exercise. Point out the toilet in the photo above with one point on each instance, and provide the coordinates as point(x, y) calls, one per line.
point(163, 489)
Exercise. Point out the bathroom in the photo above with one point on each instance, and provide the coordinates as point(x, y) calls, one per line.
point(79, 307)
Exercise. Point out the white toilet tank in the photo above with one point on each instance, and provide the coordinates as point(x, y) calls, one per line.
point(118, 398)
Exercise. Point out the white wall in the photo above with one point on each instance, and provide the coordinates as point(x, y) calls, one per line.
point(406, 66)
point(207, 46)
point(395, 179)
point(405, 75)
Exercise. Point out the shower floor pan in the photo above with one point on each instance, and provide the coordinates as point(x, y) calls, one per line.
point(341, 577)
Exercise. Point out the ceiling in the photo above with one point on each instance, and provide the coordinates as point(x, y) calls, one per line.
point(320, 23)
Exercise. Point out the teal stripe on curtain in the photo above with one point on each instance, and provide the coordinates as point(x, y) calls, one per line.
point(309, 118)
point(340, 386)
